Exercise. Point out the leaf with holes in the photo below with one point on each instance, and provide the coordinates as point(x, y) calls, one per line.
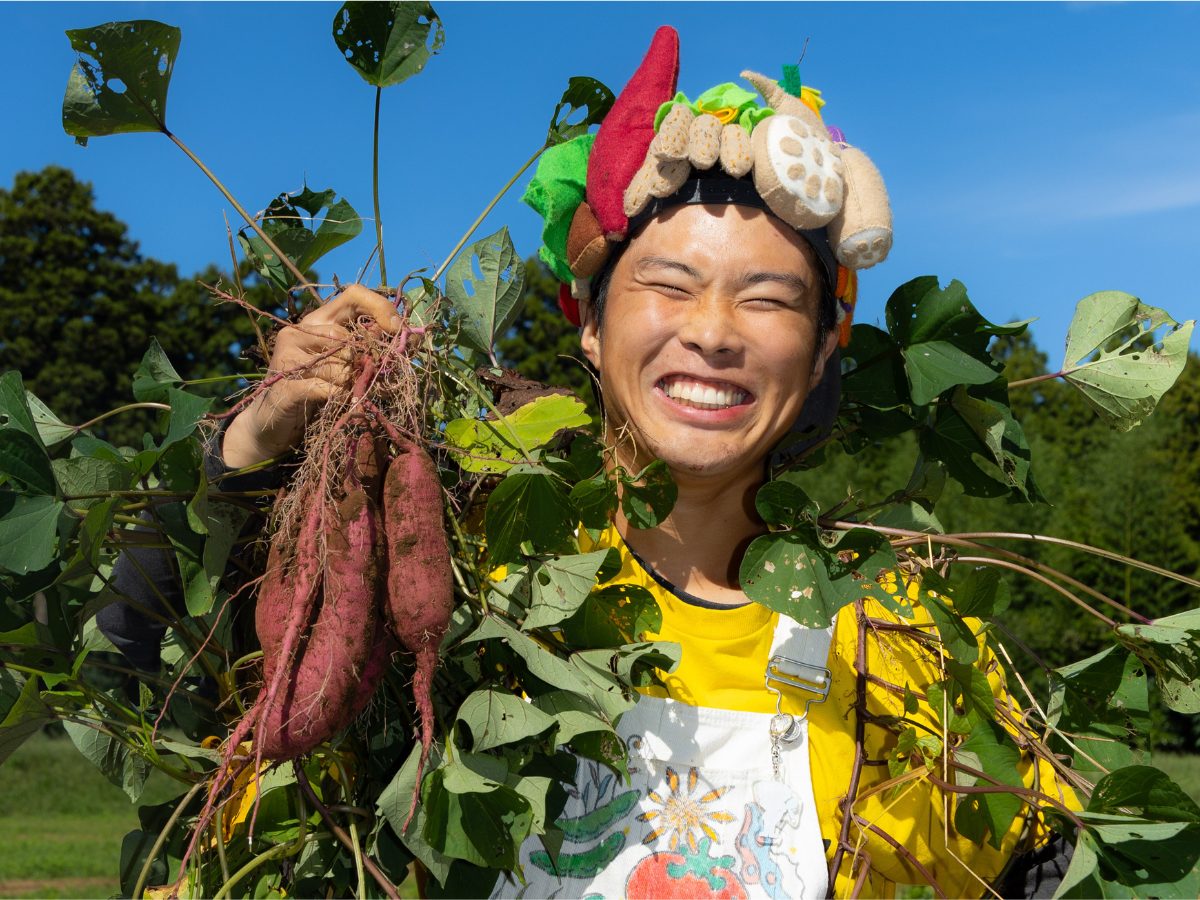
point(484, 285)
point(648, 497)
point(305, 225)
point(497, 718)
point(1116, 359)
point(1171, 647)
point(387, 43)
point(120, 81)
point(582, 93)
point(493, 445)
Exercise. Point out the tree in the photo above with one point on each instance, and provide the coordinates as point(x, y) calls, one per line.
point(81, 304)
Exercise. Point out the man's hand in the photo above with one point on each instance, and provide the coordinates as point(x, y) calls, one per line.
point(317, 355)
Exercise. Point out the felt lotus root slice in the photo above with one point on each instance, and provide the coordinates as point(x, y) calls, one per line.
point(797, 171)
point(704, 141)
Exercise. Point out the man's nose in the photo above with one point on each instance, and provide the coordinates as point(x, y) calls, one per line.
point(710, 328)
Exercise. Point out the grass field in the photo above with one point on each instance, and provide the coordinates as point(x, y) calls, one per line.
point(61, 821)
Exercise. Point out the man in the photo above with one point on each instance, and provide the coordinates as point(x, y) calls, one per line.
point(709, 304)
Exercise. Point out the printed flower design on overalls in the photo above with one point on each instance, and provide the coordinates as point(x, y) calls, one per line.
point(681, 815)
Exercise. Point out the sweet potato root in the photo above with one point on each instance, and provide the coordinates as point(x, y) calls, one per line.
point(420, 584)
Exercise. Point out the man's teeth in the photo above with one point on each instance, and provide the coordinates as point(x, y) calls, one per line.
point(702, 395)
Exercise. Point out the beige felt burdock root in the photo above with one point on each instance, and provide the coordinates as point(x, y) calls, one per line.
point(656, 178)
point(861, 234)
point(860, 227)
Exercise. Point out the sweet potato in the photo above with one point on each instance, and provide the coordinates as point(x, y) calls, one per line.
point(420, 585)
point(326, 671)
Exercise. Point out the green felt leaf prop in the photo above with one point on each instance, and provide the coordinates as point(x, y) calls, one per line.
point(387, 43)
point(120, 81)
point(484, 285)
point(1117, 361)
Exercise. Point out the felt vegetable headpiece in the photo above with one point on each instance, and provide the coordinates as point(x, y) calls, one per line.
point(656, 148)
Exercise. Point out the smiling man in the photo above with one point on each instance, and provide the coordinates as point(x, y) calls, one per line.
point(708, 252)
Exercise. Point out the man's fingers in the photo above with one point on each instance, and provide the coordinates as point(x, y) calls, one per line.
point(353, 302)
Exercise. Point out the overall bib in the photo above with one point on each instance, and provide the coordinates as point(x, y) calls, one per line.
point(719, 804)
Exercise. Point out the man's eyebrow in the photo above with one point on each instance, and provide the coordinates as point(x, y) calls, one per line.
point(789, 279)
point(665, 262)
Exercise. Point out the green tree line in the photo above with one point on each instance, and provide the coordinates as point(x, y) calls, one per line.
point(81, 304)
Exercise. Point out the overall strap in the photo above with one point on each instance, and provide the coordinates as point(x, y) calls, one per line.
point(799, 659)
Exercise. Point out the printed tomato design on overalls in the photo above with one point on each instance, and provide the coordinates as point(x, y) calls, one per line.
point(689, 873)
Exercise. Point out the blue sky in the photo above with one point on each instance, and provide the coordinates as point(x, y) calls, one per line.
point(1036, 152)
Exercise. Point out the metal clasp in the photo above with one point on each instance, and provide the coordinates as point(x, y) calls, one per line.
point(795, 673)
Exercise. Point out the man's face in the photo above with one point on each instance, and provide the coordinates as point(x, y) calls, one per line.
point(709, 341)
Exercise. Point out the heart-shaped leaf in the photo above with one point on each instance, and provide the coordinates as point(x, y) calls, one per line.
point(119, 85)
point(387, 42)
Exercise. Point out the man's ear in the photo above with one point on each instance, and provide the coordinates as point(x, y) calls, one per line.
point(589, 334)
point(823, 353)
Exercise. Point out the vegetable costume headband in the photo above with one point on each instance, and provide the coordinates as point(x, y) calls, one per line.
point(654, 140)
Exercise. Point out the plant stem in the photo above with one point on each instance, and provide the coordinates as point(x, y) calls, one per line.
point(120, 409)
point(1029, 573)
point(385, 885)
point(283, 257)
point(1025, 382)
point(860, 731)
point(375, 187)
point(144, 875)
point(483, 215)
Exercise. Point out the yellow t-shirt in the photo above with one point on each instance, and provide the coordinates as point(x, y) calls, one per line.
point(724, 656)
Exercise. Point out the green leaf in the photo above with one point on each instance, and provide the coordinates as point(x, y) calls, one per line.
point(291, 222)
point(582, 93)
point(155, 376)
point(648, 498)
point(1145, 792)
point(1171, 647)
point(874, 372)
point(28, 531)
point(530, 426)
point(80, 475)
point(909, 516)
point(595, 500)
point(978, 591)
point(1115, 361)
point(955, 443)
point(794, 573)
point(966, 697)
point(387, 43)
point(1001, 434)
point(937, 366)
point(23, 461)
point(957, 637)
point(783, 503)
point(920, 311)
point(14, 406)
point(22, 713)
point(990, 815)
point(1121, 856)
point(573, 715)
point(484, 284)
point(485, 829)
point(119, 84)
point(531, 505)
point(496, 718)
point(560, 585)
point(187, 411)
point(1102, 704)
point(394, 802)
point(50, 428)
point(124, 768)
point(617, 614)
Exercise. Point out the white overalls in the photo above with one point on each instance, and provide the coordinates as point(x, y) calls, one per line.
point(719, 804)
